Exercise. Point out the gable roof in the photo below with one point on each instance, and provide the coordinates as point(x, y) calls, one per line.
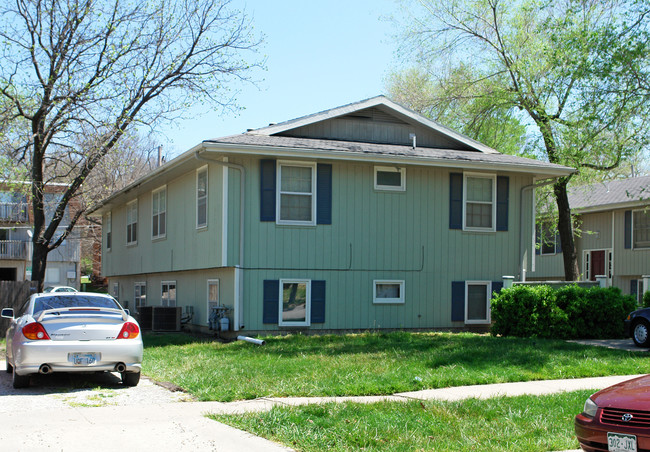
point(296, 139)
point(396, 110)
point(612, 194)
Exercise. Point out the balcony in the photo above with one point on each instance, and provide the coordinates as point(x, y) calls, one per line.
point(15, 212)
point(15, 249)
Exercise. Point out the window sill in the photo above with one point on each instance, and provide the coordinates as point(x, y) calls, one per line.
point(388, 301)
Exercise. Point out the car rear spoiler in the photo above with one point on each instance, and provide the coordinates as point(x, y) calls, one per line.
point(111, 310)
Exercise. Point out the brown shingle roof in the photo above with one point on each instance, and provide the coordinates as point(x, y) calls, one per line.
point(360, 148)
point(603, 194)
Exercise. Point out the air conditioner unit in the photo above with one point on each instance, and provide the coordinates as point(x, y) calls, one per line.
point(145, 317)
point(166, 318)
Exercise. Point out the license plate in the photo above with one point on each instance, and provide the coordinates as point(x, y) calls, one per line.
point(618, 442)
point(83, 359)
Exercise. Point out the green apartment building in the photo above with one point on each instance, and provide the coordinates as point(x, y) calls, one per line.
point(365, 216)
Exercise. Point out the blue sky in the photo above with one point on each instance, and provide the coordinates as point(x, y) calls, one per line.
point(320, 54)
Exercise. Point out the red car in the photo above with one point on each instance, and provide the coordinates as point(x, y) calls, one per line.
point(617, 419)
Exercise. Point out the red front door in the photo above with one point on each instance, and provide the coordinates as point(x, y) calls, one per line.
point(597, 264)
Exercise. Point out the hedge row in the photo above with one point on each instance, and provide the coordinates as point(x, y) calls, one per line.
point(570, 312)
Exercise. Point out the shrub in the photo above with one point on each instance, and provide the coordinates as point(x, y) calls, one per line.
point(646, 299)
point(570, 312)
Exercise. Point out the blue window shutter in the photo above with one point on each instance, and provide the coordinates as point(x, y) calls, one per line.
point(318, 302)
point(458, 301)
point(558, 243)
point(456, 201)
point(628, 229)
point(497, 286)
point(503, 196)
point(324, 193)
point(634, 289)
point(267, 190)
point(271, 303)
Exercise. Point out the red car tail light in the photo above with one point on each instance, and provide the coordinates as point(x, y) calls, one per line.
point(129, 331)
point(35, 332)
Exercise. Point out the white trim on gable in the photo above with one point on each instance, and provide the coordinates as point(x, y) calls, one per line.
point(404, 112)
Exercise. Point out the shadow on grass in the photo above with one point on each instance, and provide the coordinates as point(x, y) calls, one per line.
point(436, 350)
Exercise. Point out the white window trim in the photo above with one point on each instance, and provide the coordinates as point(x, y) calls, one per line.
point(135, 296)
point(162, 283)
point(198, 171)
point(494, 202)
point(307, 321)
point(153, 194)
point(128, 207)
point(632, 232)
point(399, 300)
point(278, 193)
point(609, 263)
point(207, 297)
point(109, 230)
point(541, 245)
point(488, 302)
point(389, 169)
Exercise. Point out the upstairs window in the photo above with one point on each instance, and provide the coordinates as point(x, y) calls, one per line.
point(392, 179)
point(479, 211)
point(641, 228)
point(296, 202)
point(202, 197)
point(159, 213)
point(132, 223)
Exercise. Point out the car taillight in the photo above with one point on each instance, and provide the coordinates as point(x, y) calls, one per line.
point(129, 331)
point(35, 332)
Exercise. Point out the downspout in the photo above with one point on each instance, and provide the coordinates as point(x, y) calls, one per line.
point(522, 255)
point(242, 185)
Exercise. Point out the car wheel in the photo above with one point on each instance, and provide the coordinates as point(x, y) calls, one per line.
point(20, 381)
point(130, 378)
point(641, 333)
point(9, 367)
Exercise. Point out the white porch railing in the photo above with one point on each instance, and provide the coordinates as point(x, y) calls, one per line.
point(14, 249)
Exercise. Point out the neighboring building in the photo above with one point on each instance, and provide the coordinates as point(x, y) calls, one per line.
point(614, 222)
point(361, 217)
point(16, 231)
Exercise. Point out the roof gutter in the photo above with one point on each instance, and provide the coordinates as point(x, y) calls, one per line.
point(293, 152)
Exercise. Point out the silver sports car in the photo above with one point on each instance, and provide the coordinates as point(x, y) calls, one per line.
point(72, 332)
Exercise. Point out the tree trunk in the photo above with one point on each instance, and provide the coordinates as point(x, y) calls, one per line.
point(39, 261)
point(565, 229)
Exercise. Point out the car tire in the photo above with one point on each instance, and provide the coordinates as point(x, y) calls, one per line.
point(20, 381)
point(641, 333)
point(130, 378)
point(9, 368)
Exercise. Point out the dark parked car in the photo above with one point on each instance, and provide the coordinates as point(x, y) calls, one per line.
point(637, 325)
point(616, 419)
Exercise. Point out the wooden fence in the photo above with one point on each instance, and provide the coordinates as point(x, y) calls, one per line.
point(12, 295)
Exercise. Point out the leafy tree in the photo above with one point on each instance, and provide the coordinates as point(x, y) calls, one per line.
point(576, 70)
point(78, 74)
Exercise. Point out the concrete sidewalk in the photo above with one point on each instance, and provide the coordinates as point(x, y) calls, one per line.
point(183, 425)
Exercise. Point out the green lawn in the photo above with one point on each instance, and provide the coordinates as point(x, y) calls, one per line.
point(370, 363)
point(523, 423)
